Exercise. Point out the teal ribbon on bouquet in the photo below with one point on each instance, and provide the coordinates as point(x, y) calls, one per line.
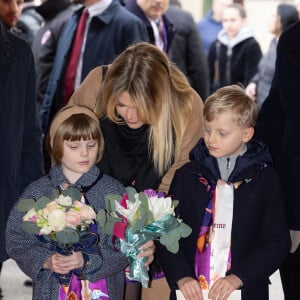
point(168, 229)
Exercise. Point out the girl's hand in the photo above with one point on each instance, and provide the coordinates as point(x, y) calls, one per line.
point(223, 287)
point(190, 288)
point(147, 250)
point(63, 264)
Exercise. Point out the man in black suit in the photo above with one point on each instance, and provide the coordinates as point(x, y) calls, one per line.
point(20, 132)
point(278, 126)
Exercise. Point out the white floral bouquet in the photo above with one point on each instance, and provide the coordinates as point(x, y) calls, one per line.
point(137, 218)
point(62, 220)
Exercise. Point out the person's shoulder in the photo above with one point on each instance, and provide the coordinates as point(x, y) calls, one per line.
point(290, 36)
point(14, 40)
point(111, 184)
point(37, 187)
point(189, 169)
point(122, 13)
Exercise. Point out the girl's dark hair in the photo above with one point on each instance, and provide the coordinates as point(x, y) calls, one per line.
point(288, 15)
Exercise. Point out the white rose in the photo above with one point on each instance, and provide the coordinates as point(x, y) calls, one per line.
point(64, 200)
point(56, 220)
point(160, 207)
point(46, 230)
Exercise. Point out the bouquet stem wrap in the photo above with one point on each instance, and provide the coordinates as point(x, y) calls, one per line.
point(133, 240)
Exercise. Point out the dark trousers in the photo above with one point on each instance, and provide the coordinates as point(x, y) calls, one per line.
point(290, 276)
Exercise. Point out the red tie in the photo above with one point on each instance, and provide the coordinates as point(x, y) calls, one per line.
point(74, 58)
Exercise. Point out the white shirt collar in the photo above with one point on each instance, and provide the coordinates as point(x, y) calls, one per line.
point(99, 7)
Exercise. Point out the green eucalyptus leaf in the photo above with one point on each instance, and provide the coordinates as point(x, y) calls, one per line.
point(173, 248)
point(101, 217)
point(175, 203)
point(73, 192)
point(25, 205)
point(150, 217)
point(41, 203)
point(184, 230)
point(144, 201)
point(110, 201)
point(135, 225)
point(30, 227)
point(170, 241)
point(131, 192)
point(67, 236)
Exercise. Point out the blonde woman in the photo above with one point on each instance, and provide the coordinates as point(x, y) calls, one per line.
point(150, 117)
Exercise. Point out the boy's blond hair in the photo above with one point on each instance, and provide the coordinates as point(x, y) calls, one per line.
point(231, 98)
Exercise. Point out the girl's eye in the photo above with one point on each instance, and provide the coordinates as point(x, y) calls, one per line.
point(91, 145)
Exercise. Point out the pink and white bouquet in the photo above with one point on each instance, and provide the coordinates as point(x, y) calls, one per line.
point(137, 218)
point(62, 218)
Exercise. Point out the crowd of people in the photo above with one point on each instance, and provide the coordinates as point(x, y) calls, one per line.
point(99, 95)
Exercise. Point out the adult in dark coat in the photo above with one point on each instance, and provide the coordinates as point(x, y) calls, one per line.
point(259, 235)
point(136, 9)
point(20, 133)
point(278, 125)
point(55, 14)
point(187, 50)
point(109, 33)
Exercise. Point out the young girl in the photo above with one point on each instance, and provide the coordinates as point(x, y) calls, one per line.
point(232, 198)
point(76, 144)
point(234, 56)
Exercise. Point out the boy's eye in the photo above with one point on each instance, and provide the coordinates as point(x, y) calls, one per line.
point(222, 133)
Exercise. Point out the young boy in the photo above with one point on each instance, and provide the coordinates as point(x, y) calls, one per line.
point(232, 198)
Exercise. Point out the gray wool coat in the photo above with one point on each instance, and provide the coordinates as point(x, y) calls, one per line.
point(31, 254)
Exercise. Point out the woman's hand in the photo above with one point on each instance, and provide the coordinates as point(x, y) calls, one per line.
point(251, 90)
point(63, 264)
point(190, 288)
point(147, 250)
point(223, 287)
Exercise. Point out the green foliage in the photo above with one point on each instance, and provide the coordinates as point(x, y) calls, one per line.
point(110, 202)
point(171, 239)
point(106, 222)
point(25, 204)
point(30, 227)
point(131, 191)
point(41, 203)
point(67, 236)
point(73, 192)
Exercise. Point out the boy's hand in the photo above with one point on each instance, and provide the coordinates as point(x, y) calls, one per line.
point(190, 288)
point(223, 287)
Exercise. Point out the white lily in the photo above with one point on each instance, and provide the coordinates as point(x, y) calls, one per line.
point(130, 212)
point(160, 207)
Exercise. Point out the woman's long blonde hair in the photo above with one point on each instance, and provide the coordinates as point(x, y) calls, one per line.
point(159, 91)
